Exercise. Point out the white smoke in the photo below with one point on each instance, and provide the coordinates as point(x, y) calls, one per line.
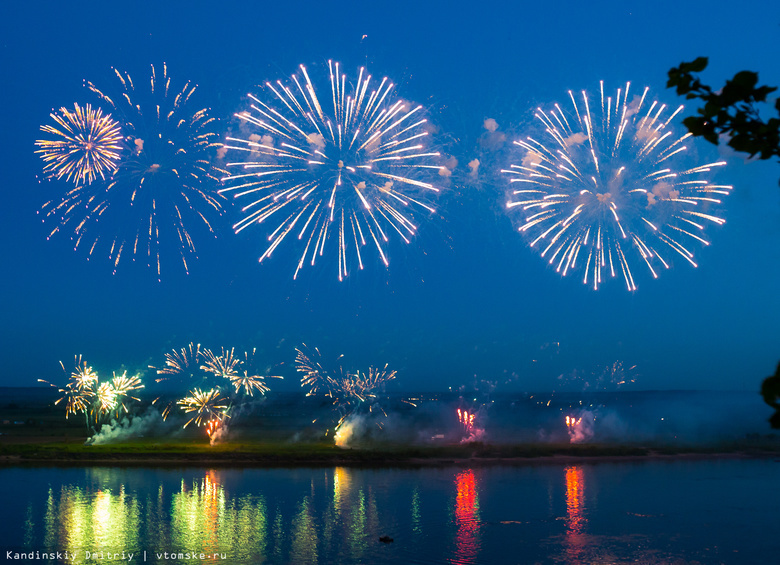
point(316, 140)
point(350, 430)
point(490, 124)
point(150, 423)
point(474, 168)
point(575, 139)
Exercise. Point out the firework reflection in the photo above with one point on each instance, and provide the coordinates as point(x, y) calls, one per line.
point(467, 536)
point(575, 513)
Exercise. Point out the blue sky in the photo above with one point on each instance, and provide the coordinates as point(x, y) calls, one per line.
point(467, 296)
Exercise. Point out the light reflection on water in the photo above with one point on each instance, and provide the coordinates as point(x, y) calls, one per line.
point(650, 512)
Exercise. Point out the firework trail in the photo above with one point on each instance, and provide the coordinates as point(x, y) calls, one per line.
point(345, 172)
point(86, 145)
point(162, 186)
point(209, 408)
point(602, 187)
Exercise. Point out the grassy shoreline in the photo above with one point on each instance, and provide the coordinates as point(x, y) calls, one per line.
point(259, 453)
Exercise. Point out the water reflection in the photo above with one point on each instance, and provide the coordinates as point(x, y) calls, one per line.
point(545, 514)
point(575, 513)
point(92, 520)
point(466, 518)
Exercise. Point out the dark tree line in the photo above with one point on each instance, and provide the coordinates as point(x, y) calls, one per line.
point(733, 114)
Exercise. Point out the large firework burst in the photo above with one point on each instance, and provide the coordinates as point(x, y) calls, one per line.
point(605, 186)
point(164, 185)
point(344, 172)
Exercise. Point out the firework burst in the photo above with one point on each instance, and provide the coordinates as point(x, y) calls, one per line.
point(86, 145)
point(105, 399)
point(347, 171)
point(163, 186)
point(352, 393)
point(208, 407)
point(80, 388)
point(249, 379)
point(314, 375)
point(180, 364)
point(224, 365)
point(123, 387)
point(603, 187)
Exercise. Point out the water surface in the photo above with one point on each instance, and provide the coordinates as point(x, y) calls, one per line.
point(680, 511)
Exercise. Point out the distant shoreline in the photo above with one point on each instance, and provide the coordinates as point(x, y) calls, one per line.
point(279, 454)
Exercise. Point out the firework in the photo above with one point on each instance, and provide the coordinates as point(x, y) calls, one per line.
point(351, 392)
point(248, 380)
point(580, 429)
point(105, 400)
point(79, 390)
point(346, 171)
point(223, 365)
point(123, 386)
point(208, 406)
point(76, 399)
point(466, 419)
point(180, 364)
point(314, 374)
point(609, 377)
point(602, 188)
point(86, 145)
point(162, 187)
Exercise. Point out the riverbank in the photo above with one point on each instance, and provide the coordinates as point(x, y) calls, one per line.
point(258, 453)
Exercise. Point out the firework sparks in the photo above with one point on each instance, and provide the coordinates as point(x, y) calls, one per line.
point(352, 393)
point(123, 386)
point(179, 364)
point(106, 400)
point(347, 172)
point(79, 390)
point(466, 420)
point(207, 406)
point(313, 373)
point(182, 365)
point(87, 144)
point(580, 429)
point(603, 188)
point(248, 379)
point(223, 365)
point(162, 187)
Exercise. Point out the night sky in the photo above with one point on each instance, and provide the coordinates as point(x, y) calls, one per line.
point(467, 297)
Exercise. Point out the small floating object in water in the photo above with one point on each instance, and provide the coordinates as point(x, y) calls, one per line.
point(386, 539)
